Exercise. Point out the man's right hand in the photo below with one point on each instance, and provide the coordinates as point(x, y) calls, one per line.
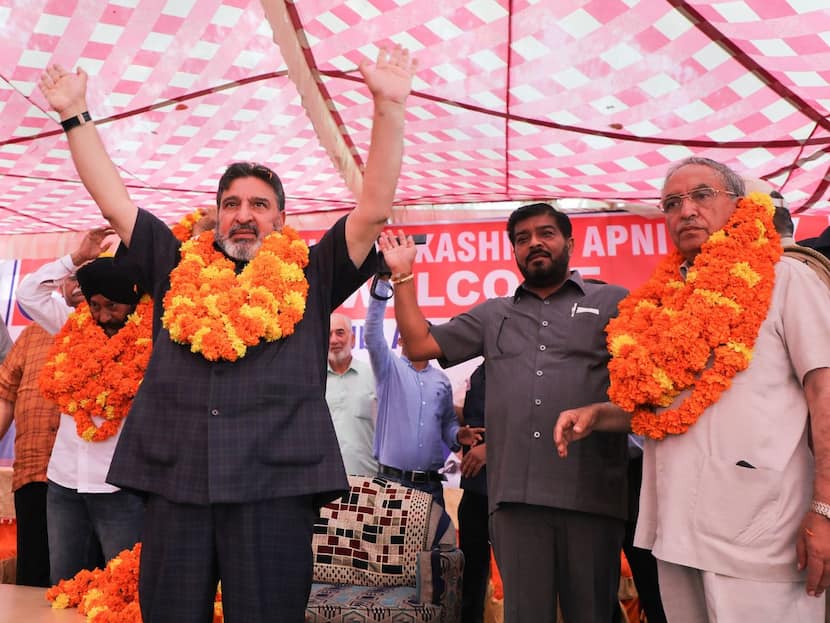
point(93, 245)
point(473, 461)
point(398, 251)
point(65, 91)
point(572, 425)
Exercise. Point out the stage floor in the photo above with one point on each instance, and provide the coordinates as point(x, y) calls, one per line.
point(27, 604)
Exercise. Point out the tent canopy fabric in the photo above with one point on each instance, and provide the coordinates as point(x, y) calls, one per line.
point(514, 100)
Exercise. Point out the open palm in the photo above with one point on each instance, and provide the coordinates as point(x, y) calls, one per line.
point(390, 77)
point(63, 90)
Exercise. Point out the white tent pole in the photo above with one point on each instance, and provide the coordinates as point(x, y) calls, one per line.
point(292, 43)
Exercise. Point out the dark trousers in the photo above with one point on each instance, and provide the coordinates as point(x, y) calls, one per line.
point(547, 552)
point(435, 489)
point(474, 539)
point(642, 562)
point(261, 551)
point(86, 530)
point(32, 537)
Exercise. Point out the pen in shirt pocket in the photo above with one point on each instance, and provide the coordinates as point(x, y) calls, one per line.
point(743, 463)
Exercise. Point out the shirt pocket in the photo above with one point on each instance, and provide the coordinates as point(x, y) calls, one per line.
point(509, 339)
point(737, 504)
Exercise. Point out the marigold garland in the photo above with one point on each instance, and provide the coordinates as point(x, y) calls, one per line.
point(696, 335)
point(219, 313)
point(89, 374)
point(110, 595)
point(184, 228)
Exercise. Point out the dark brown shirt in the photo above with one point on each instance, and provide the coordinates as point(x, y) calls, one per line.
point(542, 357)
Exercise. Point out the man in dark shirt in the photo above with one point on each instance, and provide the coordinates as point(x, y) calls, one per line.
point(473, 533)
point(236, 452)
point(556, 526)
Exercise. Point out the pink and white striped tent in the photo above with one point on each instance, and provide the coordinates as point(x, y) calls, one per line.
point(514, 100)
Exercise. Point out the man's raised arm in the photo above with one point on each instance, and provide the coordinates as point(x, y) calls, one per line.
point(399, 253)
point(389, 80)
point(66, 94)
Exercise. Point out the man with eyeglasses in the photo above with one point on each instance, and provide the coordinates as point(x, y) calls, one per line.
point(229, 435)
point(735, 501)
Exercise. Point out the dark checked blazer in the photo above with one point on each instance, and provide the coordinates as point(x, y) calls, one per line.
point(204, 432)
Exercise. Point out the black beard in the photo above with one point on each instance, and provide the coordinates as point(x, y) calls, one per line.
point(112, 327)
point(549, 275)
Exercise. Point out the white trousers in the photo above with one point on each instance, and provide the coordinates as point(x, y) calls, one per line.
point(694, 596)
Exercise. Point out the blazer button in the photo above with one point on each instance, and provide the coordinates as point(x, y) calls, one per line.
point(214, 412)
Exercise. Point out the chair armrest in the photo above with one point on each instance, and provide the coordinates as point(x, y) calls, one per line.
point(438, 580)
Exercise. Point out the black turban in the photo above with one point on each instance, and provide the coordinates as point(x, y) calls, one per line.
point(116, 282)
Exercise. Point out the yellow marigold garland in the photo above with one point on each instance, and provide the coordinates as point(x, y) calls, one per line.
point(219, 313)
point(672, 335)
point(91, 375)
point(110, 595)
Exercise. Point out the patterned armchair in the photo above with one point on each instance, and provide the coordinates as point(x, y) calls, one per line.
point(385, 553)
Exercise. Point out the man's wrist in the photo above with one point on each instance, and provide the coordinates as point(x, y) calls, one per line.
point(399, 278)
point(820, 508)
point(72, 122)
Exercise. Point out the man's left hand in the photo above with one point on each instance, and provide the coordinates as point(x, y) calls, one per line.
point(390, 78)
point(813, 549)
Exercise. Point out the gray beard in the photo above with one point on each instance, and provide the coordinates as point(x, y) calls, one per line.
point(244, 251)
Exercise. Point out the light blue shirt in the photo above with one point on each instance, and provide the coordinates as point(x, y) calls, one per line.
point(353, 406)
point(416, 419)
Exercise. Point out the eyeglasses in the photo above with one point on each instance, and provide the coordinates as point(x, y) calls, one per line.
point(703, 196)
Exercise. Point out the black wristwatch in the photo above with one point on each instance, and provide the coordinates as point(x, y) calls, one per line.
point(75, 121)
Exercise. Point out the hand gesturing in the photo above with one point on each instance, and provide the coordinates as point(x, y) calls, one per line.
point(65, 91)
point(390, 77)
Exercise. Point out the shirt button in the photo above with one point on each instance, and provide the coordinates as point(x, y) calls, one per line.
point(539, 373)
point(537, 402)
point(542, 347)
point(545, 323)
point(423, 402)
point(214, 412)
point(536, 434)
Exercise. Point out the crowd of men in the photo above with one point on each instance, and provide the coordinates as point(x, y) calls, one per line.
point(225, 459)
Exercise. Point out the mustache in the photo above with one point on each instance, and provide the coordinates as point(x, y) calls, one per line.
point(539, 253)
point(250, 227)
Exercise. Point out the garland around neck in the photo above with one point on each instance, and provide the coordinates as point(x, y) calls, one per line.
point(673, 335)
point(218, 313)
point(90, 375)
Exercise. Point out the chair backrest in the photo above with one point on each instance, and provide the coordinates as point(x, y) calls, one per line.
point(372, 535)
point(815, 260)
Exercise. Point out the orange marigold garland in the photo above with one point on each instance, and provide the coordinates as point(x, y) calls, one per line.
point(184, 228)
point(671, 336)
point(110, 595)
point(219, 313)
point(91, 375)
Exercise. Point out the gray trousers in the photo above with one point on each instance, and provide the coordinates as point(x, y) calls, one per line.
point(544, 553)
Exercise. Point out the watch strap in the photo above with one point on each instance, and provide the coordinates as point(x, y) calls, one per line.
point(75, 121)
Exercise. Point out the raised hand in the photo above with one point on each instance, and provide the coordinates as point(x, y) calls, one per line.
point(93, 244)
point(398, 251)
point(64, 91)
point(390, 77)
